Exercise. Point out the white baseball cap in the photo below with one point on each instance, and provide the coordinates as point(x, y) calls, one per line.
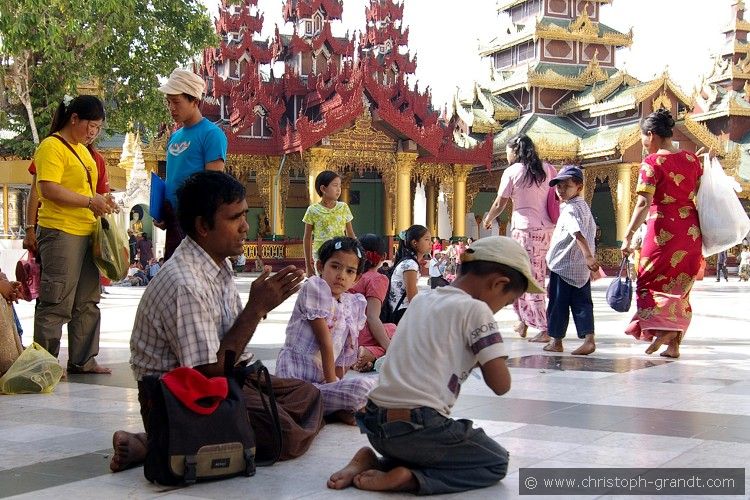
point(505, 251)
point(182, 81)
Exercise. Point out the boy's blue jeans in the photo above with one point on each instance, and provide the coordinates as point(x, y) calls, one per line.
point(564, 299)
point(445, 455)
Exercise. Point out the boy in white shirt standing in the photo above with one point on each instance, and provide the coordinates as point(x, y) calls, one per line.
point(446, 332)
point(571, 261)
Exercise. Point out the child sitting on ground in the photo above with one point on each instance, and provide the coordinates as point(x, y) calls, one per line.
point(321, 337)
point(571, 261)
point(444, 334)
point(375, 337)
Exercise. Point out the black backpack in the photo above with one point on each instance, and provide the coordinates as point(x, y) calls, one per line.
point(185, 447)
point(389, 314)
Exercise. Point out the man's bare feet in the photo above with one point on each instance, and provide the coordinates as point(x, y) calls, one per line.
point(541, 338)
point(397, 479)
point(587, 347)
point(555, 345)
point(365, 360)
point(660, 340)
point(364, 459)
point(97, 369)
point(129, 450)
point(520, 328)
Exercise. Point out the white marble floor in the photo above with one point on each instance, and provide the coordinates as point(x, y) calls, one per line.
point(617, 408)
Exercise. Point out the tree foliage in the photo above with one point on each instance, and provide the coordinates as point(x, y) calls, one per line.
point(50, 47)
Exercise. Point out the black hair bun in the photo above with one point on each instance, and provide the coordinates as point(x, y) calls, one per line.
point(665, 117)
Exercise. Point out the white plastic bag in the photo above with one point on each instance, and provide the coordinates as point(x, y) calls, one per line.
point(722, 218)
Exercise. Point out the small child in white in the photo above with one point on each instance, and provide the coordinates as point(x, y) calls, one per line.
point(571, 261)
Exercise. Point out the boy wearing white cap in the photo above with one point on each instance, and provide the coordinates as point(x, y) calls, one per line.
point(199, 145)
point(443, 336)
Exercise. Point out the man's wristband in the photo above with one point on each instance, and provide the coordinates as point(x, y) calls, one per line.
point(91, 200)
point(30, 226)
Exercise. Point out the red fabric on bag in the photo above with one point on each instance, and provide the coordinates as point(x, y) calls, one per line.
point(29, 274)
point(198, 393)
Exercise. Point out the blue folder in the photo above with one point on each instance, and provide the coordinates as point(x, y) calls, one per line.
point(158, 192)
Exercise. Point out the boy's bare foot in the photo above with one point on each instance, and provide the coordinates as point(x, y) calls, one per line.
point(344, 416)
point(541, 338)
point(130, 450)
point(586, 348)
point(364, 459)
point(397, 479)
point(365, 360)
point(555, 345)
point(520, 328)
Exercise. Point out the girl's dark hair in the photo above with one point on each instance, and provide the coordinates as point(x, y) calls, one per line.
point(201, 194)
point(324, 179)
point(87, 107)
point(371, 243)
point(660, 123)
point(405, 248)
point(342, 244)
point(523, 147)
point(517, 282)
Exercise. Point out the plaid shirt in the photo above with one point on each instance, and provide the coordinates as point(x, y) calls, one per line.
point(184, 312)
point(564, 258)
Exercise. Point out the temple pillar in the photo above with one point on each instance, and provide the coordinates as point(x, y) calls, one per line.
point(404, 165)
point(6, 222)
point(346, 187)
point(460, 174)
point(431, 195)
point(624, 197)
point(316, 163)
point(387, 212)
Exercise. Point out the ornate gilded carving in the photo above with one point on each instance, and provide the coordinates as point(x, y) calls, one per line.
point(582, 29)
point(706, 138)
point(662, 101)
point(605, 174)
point(362, 136)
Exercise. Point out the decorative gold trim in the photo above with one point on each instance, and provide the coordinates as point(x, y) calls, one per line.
point(550, 79)
point(582, 29)
point(597, 94)
point(701, 132)
point(662, 101)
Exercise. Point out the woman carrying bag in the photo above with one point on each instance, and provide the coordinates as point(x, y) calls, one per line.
point(69, 289)
point(671, 251)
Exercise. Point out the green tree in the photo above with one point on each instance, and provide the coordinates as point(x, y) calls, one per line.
point(49, 47)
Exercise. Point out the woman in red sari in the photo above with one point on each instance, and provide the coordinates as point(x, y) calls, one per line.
point(671, 249)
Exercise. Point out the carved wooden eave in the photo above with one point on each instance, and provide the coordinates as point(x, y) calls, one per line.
point(705, 137)
point(550, 79)
point(738, 25)
point(555, 151)
point(631, 101)
point(503, 5)
point(597, 94)
point(582, 29)
point(524, 35)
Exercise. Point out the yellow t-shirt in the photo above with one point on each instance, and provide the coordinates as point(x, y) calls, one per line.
point(55, 163)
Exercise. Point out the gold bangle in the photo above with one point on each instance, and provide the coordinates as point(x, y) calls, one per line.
point(91, 200)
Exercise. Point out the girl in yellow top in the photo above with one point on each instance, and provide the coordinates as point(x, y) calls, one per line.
point(69, 290)
point(325, 220)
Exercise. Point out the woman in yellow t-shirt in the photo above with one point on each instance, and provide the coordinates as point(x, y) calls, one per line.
point(69, 291)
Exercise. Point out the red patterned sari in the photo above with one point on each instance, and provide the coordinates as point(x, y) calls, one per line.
point(671, 252)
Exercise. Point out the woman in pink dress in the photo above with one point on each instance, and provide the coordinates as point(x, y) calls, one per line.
point(437, 245)
point(526, 183)
point(671, 250)
point(375, 336)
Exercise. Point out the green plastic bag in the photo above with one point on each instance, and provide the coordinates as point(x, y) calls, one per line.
point(110, 247)
point(35, 371)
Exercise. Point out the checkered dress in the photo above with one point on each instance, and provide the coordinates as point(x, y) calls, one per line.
point(184, 312)
point(300, 357)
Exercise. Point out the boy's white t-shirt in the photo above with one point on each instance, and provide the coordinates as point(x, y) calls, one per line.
point(443, 335)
